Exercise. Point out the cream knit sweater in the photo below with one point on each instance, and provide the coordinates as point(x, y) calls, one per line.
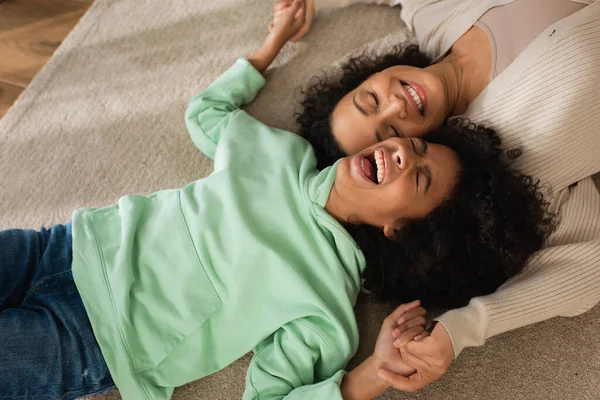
point(547, 102)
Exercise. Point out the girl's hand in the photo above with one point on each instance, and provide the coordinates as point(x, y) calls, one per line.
point(304, 14)
point(399, 328)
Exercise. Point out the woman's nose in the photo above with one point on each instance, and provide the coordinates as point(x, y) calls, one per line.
point(395, 107)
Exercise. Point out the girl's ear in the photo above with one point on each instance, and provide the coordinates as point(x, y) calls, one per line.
point(390, 231)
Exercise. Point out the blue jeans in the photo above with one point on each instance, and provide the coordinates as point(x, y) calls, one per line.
point(47, 347)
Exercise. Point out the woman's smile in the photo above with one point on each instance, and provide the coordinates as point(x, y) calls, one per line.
point(400, 101)
point(416, 95)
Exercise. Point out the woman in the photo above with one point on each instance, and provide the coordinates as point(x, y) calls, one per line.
point(528, 68)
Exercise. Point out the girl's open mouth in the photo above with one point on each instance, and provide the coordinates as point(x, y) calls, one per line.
point(373, 166)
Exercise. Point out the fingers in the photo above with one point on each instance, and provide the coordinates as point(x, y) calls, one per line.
point(427, 347)
point(294, 7)
point(408, 335)
point(279, 9)
point(300, 33)
point(296, 12)
point(411, 384)
point(410, 326)
point(421, 336)
point(434, 354)
point(281, 4)
point(411, 314)
point(410, 319)
point(417, 363)
point(309, 13)
point(393, 318)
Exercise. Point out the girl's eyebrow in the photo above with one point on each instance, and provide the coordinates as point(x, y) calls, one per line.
point(426, 170)
point(427, 173)
point(359, 108)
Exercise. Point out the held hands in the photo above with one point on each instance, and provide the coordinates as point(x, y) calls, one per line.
point(406, 323)
point(429, 356)
point(308, 12)
point(289, 21)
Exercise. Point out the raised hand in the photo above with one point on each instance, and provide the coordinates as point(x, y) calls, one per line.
point(289, 22)
point(309, 13)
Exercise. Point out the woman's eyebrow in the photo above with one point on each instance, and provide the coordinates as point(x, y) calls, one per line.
point(359, 108)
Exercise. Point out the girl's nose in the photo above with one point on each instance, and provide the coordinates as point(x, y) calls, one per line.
point(403, 157)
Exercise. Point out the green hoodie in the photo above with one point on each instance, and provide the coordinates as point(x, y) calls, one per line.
point(179, 284)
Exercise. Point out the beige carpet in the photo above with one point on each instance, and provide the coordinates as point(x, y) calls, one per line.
point(105, 118)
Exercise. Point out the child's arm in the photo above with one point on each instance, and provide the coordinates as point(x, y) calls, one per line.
point(210, 113)
point(297, 362)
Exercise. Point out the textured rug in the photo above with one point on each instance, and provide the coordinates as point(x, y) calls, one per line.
point(105, 118)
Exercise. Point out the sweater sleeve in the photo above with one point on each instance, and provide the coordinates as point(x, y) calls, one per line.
point(560, 280)
point(211, 111)
point(295, 363)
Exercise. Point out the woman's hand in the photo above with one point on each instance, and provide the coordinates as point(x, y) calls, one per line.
point(308, 11)
point(430, 357)
point(399, 328)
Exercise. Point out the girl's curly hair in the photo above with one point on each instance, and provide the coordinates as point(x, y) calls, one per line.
point(493, 221)
point(483, 234)
point(322, 95)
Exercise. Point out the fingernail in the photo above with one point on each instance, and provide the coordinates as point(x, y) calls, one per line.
point(397, 342)
point(382, 376)
point(401, 321)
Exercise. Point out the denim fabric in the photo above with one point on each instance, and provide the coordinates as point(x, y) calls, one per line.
point(47, 347)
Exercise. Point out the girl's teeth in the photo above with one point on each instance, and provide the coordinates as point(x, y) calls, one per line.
point(415, 96)
point(380, 166)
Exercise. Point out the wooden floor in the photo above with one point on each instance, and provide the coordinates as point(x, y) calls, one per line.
point(30, 31)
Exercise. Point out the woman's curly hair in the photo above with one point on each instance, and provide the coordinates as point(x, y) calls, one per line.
point(493, 221)
point(322, 95)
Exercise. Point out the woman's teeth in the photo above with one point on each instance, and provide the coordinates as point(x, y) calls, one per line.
point(380, 165)
point(415, 96)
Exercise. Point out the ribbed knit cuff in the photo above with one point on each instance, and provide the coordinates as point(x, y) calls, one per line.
point(466, 326)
